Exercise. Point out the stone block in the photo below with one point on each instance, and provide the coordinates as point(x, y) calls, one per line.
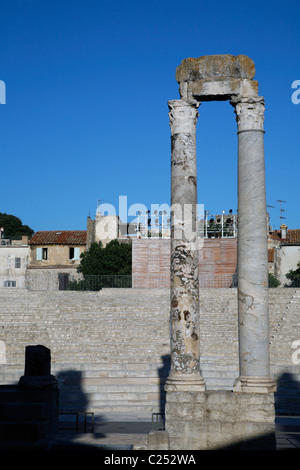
point(37, 360)
point(220, 419)
point(215, 66)
point(18, 412)
point(158, 440)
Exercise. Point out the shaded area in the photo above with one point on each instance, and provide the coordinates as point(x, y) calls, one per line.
point(287, 395)
point(28, 410)
point(118, 436)
point(163, 373)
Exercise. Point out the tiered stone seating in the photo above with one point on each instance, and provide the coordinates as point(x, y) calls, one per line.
point(110, 349)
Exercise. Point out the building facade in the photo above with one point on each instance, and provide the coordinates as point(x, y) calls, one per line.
point(14, 259)
point(54, 259)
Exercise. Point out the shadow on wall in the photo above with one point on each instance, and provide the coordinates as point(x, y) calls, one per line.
point(163, 373)
point(74, 405)
point(74, 417)
point(70, 386)
point(72, 398)
point(287, 395)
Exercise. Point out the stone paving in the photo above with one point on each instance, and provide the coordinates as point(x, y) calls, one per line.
point(134, 436)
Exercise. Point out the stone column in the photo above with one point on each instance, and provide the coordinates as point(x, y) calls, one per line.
point(253, 301)
point(185, 348)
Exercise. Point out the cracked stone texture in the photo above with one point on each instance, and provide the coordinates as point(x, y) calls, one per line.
point(184, 253)
point(215, 66)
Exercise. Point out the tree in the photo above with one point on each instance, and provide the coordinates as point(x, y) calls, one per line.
point(13, 227)
point(108, 266)
point(294, 276)
point(114, 258)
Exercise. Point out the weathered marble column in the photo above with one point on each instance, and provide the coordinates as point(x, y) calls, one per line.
point(185, 347)
point(253, 301)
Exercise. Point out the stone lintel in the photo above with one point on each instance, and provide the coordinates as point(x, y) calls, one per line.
point(218, 89)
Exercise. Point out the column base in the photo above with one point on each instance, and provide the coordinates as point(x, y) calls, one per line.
point(185, 383)
point(254, 384)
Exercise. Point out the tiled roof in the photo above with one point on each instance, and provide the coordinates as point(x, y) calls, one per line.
point(293, 236)
point(64, 237)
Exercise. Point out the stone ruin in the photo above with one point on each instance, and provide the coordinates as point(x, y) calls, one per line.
point(245, 417)
point(28, 410)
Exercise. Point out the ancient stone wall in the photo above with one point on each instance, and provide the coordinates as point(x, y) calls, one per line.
point(39, 279)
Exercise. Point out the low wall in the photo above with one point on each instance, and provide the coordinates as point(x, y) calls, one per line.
point(38, 279)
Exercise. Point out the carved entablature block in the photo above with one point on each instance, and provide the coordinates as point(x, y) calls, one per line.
point(216, 77)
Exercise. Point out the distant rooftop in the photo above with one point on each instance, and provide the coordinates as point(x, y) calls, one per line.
point(293, 236)
point(59, 237)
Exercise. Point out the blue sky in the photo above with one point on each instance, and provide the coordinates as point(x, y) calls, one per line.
point(86, 115)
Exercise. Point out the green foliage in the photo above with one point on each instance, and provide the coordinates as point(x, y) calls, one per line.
point(294, 276)
point(273, 282)
point(13, 227)
point(108, 266)
point(114, 258)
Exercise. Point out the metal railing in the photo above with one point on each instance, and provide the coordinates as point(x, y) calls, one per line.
point(94, 282)
point(218, 281)
point(155, 281)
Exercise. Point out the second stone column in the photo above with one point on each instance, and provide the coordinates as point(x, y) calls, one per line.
point(253, 300)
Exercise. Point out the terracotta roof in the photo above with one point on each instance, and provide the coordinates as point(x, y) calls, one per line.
point(63, 237)
point(293, 236)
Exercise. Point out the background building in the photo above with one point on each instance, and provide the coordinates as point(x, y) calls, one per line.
point(54, 259)
point(14, 258)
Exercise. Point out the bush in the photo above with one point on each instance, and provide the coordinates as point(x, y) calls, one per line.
point(294, 276)
point(273, 282)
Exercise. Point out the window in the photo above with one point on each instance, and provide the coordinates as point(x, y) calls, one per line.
point(10, 283)
point(41, 254)
point(17, 262)
point(74, 253)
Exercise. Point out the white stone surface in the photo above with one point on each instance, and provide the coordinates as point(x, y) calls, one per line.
point(185, 334)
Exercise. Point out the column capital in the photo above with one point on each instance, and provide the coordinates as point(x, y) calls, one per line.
point(183, 116)
point(249, 112)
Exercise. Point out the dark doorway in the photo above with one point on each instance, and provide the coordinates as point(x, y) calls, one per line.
point(63, 279)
